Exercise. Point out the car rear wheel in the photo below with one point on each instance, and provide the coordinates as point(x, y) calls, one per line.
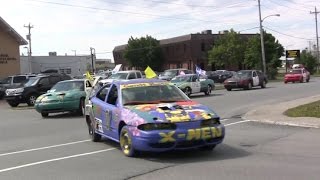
point(44, 114)
point(126, 142)
point(13, 103)
point(187, 91)
point(31, 99)
point(264, 84)
point(208, 92)
point(92, 131)
point(229, 89)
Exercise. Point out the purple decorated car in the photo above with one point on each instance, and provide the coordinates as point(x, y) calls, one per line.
point(151, 115)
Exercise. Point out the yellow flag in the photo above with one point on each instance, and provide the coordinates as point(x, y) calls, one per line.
point(150, 73)
point(88, 76)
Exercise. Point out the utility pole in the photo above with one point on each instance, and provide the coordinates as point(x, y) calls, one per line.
point(317, 36)
point(264, 68)
point(92, 52)
point(29, 37)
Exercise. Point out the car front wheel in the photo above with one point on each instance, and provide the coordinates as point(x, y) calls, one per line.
point(13, 103)
point(208, 92)
point(126, 142)
point(31, 99)
point(187, 91)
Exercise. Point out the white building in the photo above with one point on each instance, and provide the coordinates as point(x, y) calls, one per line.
point(71, 65)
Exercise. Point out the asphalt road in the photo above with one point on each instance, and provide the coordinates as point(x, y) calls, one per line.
point(58, 147)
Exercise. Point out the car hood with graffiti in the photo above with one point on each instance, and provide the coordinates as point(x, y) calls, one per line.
point(166, 112)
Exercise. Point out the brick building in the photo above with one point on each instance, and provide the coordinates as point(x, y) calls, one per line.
point(183, 51)
point(10, 41)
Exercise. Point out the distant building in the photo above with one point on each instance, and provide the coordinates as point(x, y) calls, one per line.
point(104, 64)
point(184, 51)
point(10, 41)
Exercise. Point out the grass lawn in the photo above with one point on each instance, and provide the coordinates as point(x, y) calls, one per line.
point(307, 110)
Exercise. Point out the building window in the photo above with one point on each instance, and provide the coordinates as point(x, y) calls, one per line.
point(203, 46)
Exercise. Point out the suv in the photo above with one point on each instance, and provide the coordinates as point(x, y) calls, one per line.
point(171, 73)
point(36, 86)
point(12, 82)
point(123, 75)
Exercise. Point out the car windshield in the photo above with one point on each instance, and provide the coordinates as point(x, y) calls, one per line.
point(67, 86)
point(170, 73)
point(32, 81)
point(152, 94)
point(6, 80)
point(295, 71)
point(243, 74)
point(119, 76)
point(180, 79)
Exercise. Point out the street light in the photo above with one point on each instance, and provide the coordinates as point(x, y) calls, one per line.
point(261, 38)
point(29, 60)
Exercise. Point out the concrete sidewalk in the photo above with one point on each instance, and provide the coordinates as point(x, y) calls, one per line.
point(273, 114)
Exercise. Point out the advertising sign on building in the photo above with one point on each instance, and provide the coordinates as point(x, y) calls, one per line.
point(292, 53)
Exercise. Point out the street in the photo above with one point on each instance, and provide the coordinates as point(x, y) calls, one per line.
point(58, 147)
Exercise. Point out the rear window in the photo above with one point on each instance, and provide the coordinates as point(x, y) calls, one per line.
point(138, 74)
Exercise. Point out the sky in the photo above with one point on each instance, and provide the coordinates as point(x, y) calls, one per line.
point(73, 26)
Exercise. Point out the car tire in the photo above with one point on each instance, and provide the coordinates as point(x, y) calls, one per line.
point(31, 99)
point(301, 80)
point(207, 148)
point(93, 135)
point(208, 92)
point(126, 142)
point(188, 91)
point(264, 84)
point(308, 79)
point(44, 114)
point(81, 110)
point(285, 82)
point(229, 89)
point(13, 103)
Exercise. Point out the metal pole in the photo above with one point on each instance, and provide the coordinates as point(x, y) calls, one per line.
point(317, 36)
point(264, 69)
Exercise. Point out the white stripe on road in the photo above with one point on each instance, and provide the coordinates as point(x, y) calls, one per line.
point(237, 122)
point(41, 148)
point(224, 120)
point(52, 160)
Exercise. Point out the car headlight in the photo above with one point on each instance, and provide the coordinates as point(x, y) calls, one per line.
point(157, 126)
point(19, 90)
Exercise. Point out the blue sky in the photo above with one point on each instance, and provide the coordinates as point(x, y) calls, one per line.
point(67, 25)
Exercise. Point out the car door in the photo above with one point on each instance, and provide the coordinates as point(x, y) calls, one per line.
point(255, 78)
point(44, 85)
point(195, 84)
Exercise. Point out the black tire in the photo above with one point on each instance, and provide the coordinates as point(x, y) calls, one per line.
point(188, 91)
point(32, 99)
point(249, 86)
point(229, 89)
point(44, 114)
point(126, 142)
point(13, 103)
point(308, 79)
point(264, 84)
point(301, 80)
point(81, 110)
point(207, 148)
point(91, 128)
point(208, 92)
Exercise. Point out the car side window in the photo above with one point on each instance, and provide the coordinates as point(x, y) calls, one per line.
point(194, 78)
point(113, 95)
point(132, 76)
point(54, 79)
point(254, 74)
point(44, 81)
point(88, 84)
point(102, 93)
point(138, 74)
point(19, 79)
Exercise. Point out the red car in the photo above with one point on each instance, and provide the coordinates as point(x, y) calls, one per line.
point(297, 75)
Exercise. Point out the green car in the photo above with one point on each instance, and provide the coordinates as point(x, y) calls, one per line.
point(192, 83)
point(64, 96)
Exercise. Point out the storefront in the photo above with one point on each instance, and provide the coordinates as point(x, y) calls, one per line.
point(10, 41)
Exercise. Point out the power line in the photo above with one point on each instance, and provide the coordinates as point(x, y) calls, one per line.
point(286, 6)
point(287, 34)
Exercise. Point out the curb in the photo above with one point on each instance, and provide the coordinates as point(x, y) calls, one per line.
point(285, 123)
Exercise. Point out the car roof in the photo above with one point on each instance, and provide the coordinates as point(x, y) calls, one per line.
point(128, 71)
point(186, 75)
point(137, 81)
point(73, 80)
point(177, 69)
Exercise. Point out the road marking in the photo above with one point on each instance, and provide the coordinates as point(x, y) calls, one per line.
point(52, 160)
point(224, 120)
point(237, 122)
point(41, 148)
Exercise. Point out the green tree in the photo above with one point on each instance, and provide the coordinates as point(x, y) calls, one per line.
point(309, 61)
point(143, 52)
point(273, 51)
point(228, 50)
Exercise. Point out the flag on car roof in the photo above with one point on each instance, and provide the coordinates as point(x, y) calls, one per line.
point(199, 71)
point(88, 76)
point(150, 73)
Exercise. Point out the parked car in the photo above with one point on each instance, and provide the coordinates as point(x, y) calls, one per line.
point(220, 76)
point(192, 83)
point(171, 73)
point(246, 79)
point(151, 115)
point(12, 82)
point(36, 86)
point(123, 75)
point(297, 75)
point(64, 96)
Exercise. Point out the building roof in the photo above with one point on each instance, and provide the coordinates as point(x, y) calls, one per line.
point(7, 28)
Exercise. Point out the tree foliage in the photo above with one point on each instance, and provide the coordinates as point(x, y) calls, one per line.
point(143, 52)
point(228, 50)
point(308, 60)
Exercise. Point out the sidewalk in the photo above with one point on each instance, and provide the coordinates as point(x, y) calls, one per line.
point(273, 114)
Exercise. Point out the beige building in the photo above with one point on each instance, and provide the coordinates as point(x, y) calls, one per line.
point(10, 41)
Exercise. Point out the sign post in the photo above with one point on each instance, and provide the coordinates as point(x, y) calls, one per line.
point(291, 54)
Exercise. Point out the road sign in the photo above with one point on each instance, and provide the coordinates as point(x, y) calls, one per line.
point(292, 53)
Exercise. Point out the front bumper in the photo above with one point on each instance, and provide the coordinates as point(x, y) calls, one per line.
point(19, 98)
point(180, 139)
point(292, 79)
point(57, 106)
